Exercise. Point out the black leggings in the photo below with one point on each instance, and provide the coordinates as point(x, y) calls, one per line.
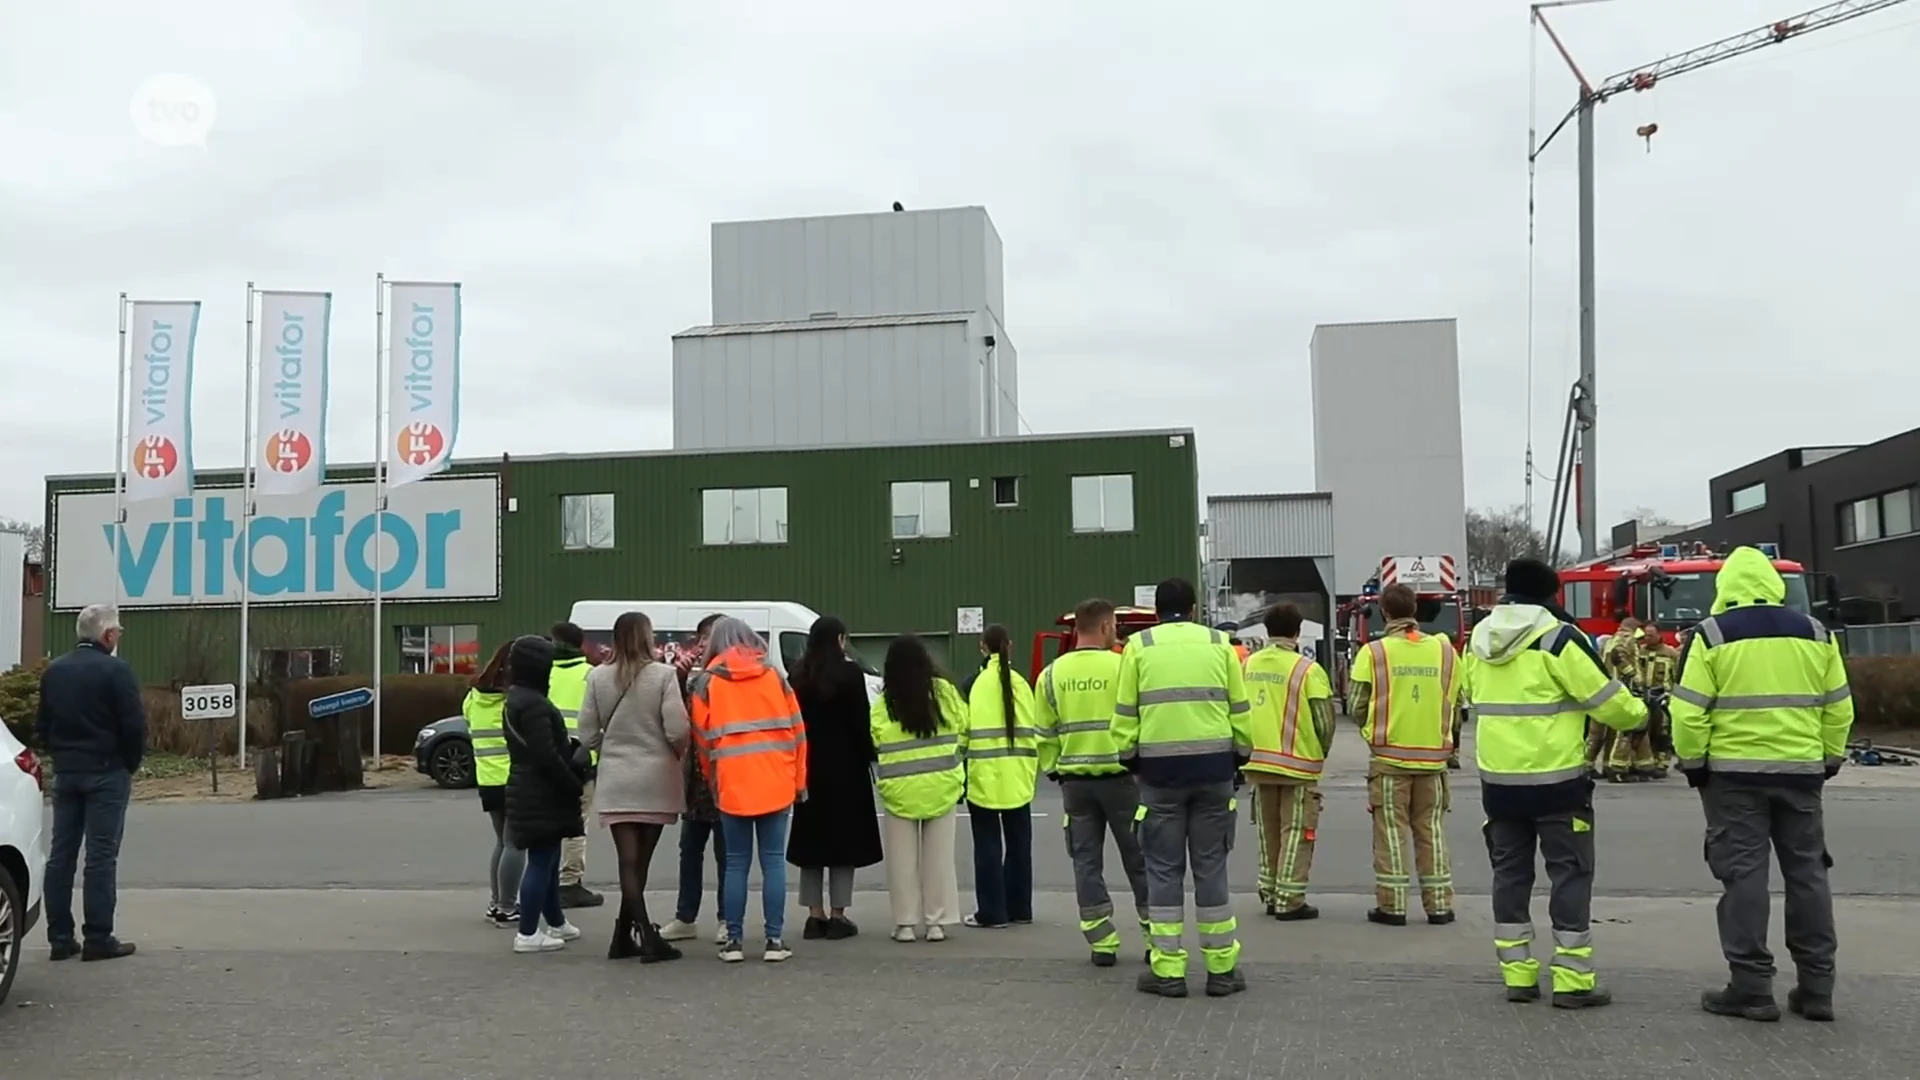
point(634, 843)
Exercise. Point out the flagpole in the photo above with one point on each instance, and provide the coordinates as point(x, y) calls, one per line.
point(379, 488)
point(247, 453)
point(120, 452)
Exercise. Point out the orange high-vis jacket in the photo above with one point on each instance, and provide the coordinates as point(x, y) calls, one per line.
point(748, 733)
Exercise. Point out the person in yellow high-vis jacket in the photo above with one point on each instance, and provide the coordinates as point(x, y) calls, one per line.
point(1292, 723)
point(483, 708)
point(567, 688)
point(1405, 689)
point(1181, 722)
point(1003, 760)
point(1073, 710)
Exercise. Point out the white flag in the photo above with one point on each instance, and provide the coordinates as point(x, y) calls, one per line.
point(159, 432)
point(423, 379)
point(291, 412)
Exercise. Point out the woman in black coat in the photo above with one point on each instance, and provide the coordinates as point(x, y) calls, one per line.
point(834, 831)
point(543, 794)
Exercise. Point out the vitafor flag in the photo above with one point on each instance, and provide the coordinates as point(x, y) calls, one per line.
point(291, 412)
point(159, 461)
point(423, 381)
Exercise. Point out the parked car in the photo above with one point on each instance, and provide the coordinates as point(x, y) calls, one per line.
point(444, 751)
point(24, 837)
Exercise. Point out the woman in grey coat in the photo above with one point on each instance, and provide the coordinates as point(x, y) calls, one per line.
point(634, 718)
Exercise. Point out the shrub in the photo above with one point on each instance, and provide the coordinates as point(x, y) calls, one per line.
point(408, 703)
point(1886, 691)
point(20, 701)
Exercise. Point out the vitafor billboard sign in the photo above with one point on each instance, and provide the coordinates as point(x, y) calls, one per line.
point(442, 542)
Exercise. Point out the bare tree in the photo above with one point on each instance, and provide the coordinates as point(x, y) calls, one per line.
point(1649, 518)
point(36, 536)
point(1497, 537)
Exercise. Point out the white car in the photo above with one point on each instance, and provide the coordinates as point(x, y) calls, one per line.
point(23, 851)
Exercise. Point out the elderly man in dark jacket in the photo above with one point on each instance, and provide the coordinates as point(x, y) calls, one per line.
point(92, 723)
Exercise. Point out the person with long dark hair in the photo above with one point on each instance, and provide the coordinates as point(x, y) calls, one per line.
point(544, 785)
point(634, 717)
point(919, 732)
point(1003, 759)
point(482, 708)
point(835, 831)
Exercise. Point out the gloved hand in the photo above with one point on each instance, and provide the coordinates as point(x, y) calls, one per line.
point(1696, 777)
point(1239, 779)
point(1833, 769)
point(1054, 776)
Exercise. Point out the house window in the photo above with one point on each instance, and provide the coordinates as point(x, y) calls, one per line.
point(1103, 503)
point(586, 522)
point(439, 650)
point(1891, 514)
point(743, 516)
point(1751, 497)
point(1006, 491)
point(922, 509)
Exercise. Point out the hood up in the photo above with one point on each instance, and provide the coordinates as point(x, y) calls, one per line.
point(738, 663)
point(1747, 578)
point(530, 662)
point(1508, 629)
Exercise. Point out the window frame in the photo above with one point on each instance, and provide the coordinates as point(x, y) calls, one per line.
point(782, 526)
point(590, 500)
point(1577, 598)
point(1013, 483)
point(1103, 527)
point(421, 656)
point(1733, 498)
point(1848, 515)
point(921, 515)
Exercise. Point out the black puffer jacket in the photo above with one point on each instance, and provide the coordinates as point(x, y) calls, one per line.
point(543, 787)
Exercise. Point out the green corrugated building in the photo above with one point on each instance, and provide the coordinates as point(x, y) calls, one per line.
point(889, 538)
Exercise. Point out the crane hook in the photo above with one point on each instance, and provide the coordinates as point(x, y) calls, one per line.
point(1647, 132)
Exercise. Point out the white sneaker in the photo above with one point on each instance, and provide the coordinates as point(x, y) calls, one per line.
point(936, 933)
point(903, 933)
point(776, 951)
point(720, 936)
point(537, 942)
point(566, 931)
point(731, 952)
point(680, 931)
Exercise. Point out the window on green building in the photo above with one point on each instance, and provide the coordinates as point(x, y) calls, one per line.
point(1103, 504)
point(922, 509)
point(743, 516)
point(439, 650)
point(586, 522)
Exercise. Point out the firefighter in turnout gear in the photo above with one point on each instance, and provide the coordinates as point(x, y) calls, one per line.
point(1629, 754)
point(1180, 723)
point(1659, 665)
point(1073, 709)
point(1533, 682)
point(1761, 718)
point(567, 688)
point(1405, 689)
point(1292, 723)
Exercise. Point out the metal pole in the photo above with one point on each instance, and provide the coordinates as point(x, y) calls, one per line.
point(247, 454)
point(120, 451)
point(1589, 447)
point(379, 488)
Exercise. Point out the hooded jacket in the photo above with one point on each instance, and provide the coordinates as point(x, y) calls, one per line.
point(751, 739)
point(543, 788)
point(1762, 692)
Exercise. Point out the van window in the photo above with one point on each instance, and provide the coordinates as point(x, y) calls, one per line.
point(793, 645)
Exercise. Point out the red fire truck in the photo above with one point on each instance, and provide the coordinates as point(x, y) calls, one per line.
point(1444, 608)
point(1673, 584)
point(1049, 644)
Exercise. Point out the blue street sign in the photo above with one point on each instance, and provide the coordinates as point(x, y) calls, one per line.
point(341, 702)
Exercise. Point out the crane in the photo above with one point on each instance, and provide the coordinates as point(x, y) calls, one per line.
point(1578, 460)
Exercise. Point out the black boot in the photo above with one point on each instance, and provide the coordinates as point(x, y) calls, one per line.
point(1299, 914)
point(1386, 918)
point(1812, 1006)
point(1731, 1002)
point(1149, 983)
point(623, 945)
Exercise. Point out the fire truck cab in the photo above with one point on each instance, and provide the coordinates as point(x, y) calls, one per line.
point(1674, 584)
point(1049, 644)
point(1444, 609)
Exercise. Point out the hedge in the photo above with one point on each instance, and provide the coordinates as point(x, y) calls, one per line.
point(1886, 691)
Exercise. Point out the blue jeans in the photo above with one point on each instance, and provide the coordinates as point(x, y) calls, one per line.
point(694, 836)
point(540, 889)
point(743, 834)
point(92, 805)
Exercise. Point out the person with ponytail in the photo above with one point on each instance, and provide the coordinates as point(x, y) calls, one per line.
point(918, 725)
point(1003, 764)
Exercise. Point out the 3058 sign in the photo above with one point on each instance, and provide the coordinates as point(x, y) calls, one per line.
point(208, 702)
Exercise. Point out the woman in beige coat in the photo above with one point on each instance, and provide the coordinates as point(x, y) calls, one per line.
point(634, 718)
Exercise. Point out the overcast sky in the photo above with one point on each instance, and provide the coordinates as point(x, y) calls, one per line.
point(1181, 201)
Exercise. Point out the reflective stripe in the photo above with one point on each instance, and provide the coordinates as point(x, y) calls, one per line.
point(1382, 692)
point(1523, 708)
point(1089, 759)
point(744, 727)
point(1556, 776)
point(1685, 763)
point(1216, 940)
point(1220, 914)
point(487, 733)
point(1573, 939)
point(1001, 752)
point(1513, 931)
point(1777, 767)
point(1285, 761)
point(1729, 702)
point(569, 714)
point(1053, 699)
point(1411, 753)
point(1098, 932)
point(1710, 630)
point(1512, 954)
point(1075, 727)
point(1187, 748)
point(1693, 697)
point(1613, 686)
point(1182, 694)
point(1166, 914)
point(1096, 912)
point(744, 749)
point(917, 744)
point(1121, 708)
point(489, 751)
point(1573, 962)
point(893, 770)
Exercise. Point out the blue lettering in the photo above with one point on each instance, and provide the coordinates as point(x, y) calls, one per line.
point(440, 528)
point(406, 554)
point(418, 378)
point(327, 526)
point(292, 575)
point(155, 395)
point(137, 570)
point(215, 533)
point(183, 548)
point(292, 352)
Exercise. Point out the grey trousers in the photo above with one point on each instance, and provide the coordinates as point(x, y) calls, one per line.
point(1565, 842)
point(1096, 807)
point(506, 867)
point(1743, 821)
point(835, 891)
point(1189, 826)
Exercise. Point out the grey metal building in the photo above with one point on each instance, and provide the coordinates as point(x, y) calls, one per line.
point(852, 329)
point(1265, 549)
point(1386, 442)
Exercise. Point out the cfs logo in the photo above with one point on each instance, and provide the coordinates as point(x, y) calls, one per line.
point(155, 457)
point(288, 451)
point(421, 443)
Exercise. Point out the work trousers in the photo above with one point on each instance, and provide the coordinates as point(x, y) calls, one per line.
point(1565, 841)
point(573, 850)
point(1178, 826)
point(1404, 802)
point(1631, 752)
point(1096, 807)
point(923, 882)
point(1286, 817)
point(1743, 821)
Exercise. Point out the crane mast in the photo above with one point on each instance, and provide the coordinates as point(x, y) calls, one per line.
point(1576, 476)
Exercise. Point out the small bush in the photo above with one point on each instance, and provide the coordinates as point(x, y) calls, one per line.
point(168, 734)
point(20, 701)
point(1886, 691)
point(408, 703)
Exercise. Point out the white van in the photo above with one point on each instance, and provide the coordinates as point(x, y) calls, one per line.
point(782, 623)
